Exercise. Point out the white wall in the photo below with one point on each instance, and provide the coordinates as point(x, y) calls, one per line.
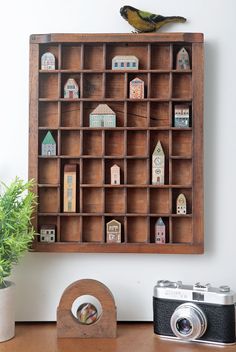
point(41, 278)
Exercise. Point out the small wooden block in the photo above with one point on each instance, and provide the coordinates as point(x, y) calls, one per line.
point(71, 89)
point(115, 175)
point(160, 231)
point(181, 204)
point(113, 231)
point(125, 62)
point(182, 60)
point(158, 165)
point(48, 61)
point(136, 89)
point(69, 326)
point(69, 188)
point(182, 116)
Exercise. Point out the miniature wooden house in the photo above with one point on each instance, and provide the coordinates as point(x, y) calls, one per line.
point(182, 116)
point(113, 231)
point(181, 204)
point(71, 89)
point(136, 89)
point(69, 188)
point(115, 175)
point(182, 60)
point(48, 147)
point(48, 233)
point(160, 231)
point(125, 62)
point(102, 116)
point(48, 61)
point(158, 165)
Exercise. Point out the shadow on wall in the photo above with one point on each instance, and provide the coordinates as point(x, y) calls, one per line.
point(210, 142)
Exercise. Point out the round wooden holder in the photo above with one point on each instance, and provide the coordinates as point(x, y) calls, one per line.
point(69, 326)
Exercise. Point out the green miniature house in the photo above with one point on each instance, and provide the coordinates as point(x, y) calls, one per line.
point(48, 145)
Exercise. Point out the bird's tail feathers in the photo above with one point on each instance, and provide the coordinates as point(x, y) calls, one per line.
point(175, 19)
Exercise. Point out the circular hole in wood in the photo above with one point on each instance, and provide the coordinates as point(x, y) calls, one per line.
point(86, 309)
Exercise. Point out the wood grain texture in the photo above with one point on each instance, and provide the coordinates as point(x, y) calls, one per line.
point(136, 203)
point(69, 326)
point(40, 337)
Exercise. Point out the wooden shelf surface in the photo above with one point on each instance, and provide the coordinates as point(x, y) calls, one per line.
point(41, 337)
point(141, 123)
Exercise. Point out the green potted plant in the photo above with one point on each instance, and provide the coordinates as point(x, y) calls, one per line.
point(17, 202)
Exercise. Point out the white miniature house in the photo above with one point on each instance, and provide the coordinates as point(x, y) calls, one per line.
point(181, 204)
point(114, 231)
point(158, 165)
point(71, 89)
point(125, 62)
point(48, 61)
point(115, 175)
point(102, 116)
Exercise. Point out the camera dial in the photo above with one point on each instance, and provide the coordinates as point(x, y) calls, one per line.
point(188, 322)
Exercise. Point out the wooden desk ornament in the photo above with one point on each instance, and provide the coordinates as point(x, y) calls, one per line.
point(86, 310)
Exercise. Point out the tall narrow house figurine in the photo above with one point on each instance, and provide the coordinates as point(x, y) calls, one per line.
point(181, 204)
point(160, 231)
point(182, 60)
point(48, 145)
point(158, 165)
point(69, 188)
point(113, 231)
point(48, 61)
point(136, 89)
point(115, 175)
point(71, 89)
point(182, 117)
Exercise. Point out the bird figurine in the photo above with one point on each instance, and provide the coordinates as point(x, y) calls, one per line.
point(144, 22)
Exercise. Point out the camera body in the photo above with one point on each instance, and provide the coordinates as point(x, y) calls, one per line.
point(197, 312)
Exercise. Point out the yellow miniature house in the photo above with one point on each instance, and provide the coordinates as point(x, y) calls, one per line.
point(69, 188)
point(158, 165)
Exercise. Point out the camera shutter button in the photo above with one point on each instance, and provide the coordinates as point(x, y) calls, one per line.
point(224, 288)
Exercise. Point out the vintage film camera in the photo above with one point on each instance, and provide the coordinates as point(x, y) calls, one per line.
point(198, 313)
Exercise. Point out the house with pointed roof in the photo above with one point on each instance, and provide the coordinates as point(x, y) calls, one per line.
point(114, 231)
point(48, 145)
point(136, 88)
point(182, 60)
point(115, 175)
point(160, 231)
point(71, 89)
point(158, 165)
point(102, 116)
point(181, 204)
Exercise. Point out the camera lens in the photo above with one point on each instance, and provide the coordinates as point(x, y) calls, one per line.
point(188, 322)
point(184, 326)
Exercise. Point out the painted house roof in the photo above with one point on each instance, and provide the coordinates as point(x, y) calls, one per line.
point(160, 222)
point(102, 109)
point(158, 149)
point(115, 167)
point(48, 139)
point(125, 57)
point(137, 80)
